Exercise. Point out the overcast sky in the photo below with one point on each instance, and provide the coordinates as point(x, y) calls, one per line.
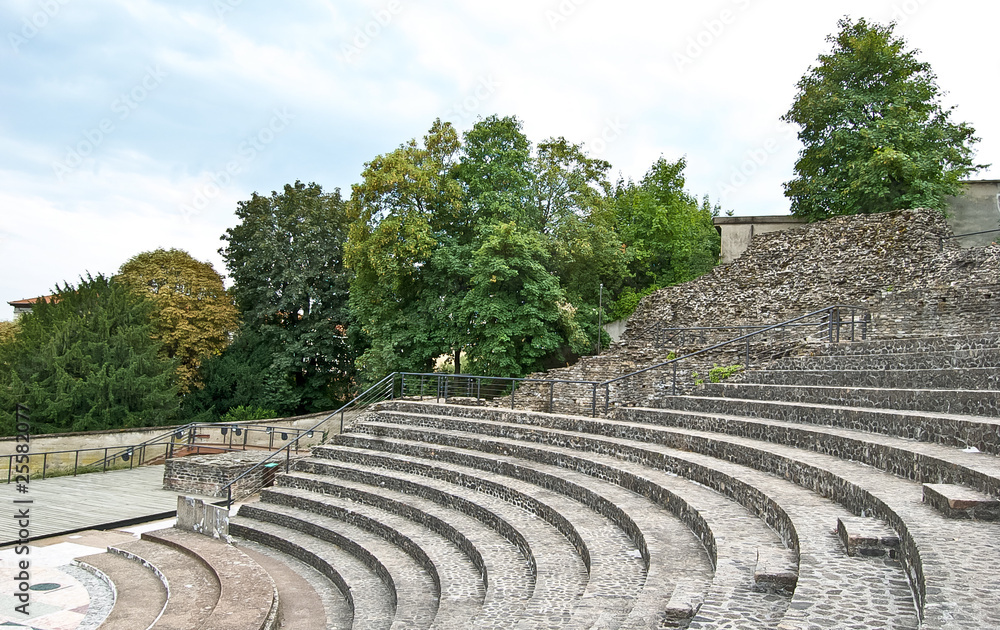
point(128, 125)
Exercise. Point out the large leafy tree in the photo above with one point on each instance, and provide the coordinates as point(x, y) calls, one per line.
point(194, 316)
point(286, 258)
point(407, 286)
point(87, 361)
point(876, 135)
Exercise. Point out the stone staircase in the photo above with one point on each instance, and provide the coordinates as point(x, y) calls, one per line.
point(853, 486)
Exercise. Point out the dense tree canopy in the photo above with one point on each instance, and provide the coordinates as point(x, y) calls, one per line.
point(286, 259)
point(875, 133)
point(493, 246)
point(194, 316)
point(87, 361)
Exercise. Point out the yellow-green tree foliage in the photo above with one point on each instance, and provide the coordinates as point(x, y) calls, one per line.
point(194, 316)
point(7, 332)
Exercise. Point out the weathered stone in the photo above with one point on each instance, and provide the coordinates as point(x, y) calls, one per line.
point(956, 501)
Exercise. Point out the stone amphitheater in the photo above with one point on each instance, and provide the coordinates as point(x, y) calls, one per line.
point(833, 485)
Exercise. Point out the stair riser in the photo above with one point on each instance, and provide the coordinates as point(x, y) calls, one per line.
point(971, 378)
point(824, 483)
point(916, 361)
point(295, 551)
point(388, 534)
point(972, 403)
point(962, 433)
point(913, 345)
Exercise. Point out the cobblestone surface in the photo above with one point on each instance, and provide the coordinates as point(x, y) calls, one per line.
point(457, 581)
point(371, 601)
point(673, 556)
point(561, 573)
point(102, 599)
point(861, 586)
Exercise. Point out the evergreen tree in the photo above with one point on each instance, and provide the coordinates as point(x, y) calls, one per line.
point(86, 361)
point(286, 258)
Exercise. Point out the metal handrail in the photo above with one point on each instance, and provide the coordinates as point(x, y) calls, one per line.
point(833, 323)
point(384, 387)
point(942, 239)
point(137, 454)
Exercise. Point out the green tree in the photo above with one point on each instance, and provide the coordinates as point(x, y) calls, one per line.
point(667, 236)
point(875, 133)
point(194, 316)
point(516, 307)
point(86, 361)
point(286, 258)
point(406, 285)
point(8, 331)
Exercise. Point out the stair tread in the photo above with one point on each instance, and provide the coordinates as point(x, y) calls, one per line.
point(660, 530)
point(140, 596)
point(561, 574)
point(371, 601)
point(247, 592)
point(193, 589)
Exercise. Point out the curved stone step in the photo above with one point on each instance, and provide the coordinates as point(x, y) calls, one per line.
point(863, 586)
point(414, 590)
point(248, 596)
point(301, 605)
point(193, 589)
point(949, 562)
point(956, 378)
point(949, 401)
point(372, 605)
point(922, 462)
point(960, 431)
point(457, 580)
point(140, 594)
point(560, 571)
point(509, 575)
point(616, 588)
point(908, 345)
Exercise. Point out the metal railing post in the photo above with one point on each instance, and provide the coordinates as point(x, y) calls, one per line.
point(674, 390)
point(45, 461)
point(593, 403)
point(552, 391)
point(513, 390)
point(607, 398)
point(76, 462)
point(446, 390)
point(748, 354)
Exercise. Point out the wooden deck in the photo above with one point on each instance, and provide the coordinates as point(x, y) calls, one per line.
point(93, 501)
